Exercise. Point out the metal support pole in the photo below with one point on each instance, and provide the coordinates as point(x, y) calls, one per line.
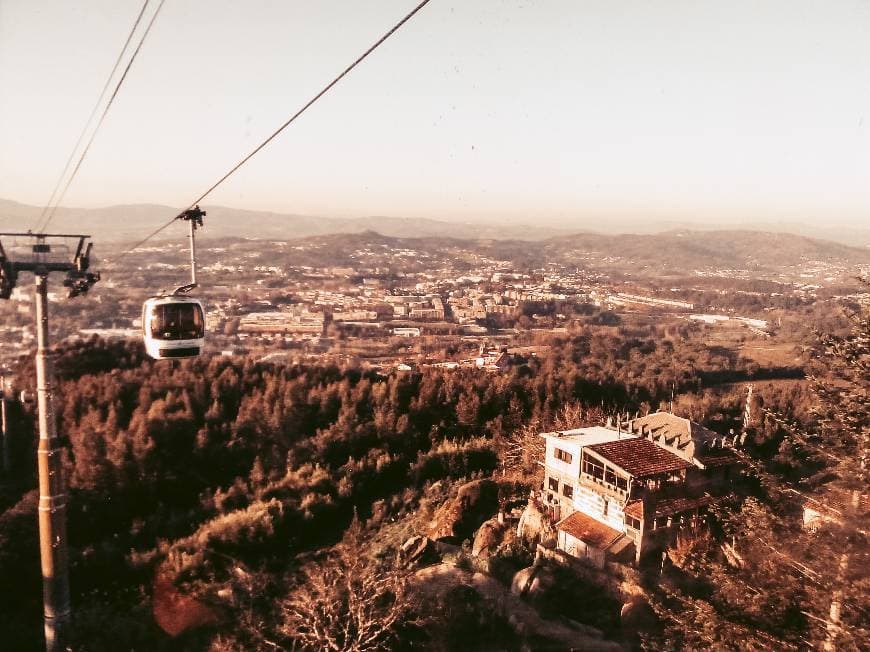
point(192, 224)
point(52, 489)
point(4, 423)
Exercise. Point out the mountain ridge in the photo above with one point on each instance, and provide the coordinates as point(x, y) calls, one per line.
point(671, 253)
point(134, 221)
point(129, 222)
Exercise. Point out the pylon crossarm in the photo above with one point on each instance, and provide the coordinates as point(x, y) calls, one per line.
point(40, 256)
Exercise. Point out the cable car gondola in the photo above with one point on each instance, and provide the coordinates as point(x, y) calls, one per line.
point(173, 325)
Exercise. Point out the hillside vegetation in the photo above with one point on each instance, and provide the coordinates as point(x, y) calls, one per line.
point(217, 476)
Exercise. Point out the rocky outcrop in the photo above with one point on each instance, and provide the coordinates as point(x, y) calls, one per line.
point(531, 629)
point(638, 621)
point(535, 527)
point(533, 581)
point(458, 518)
point(418, 550)
point(491, 536)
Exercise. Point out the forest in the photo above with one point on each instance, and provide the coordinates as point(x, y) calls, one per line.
point(204, 492)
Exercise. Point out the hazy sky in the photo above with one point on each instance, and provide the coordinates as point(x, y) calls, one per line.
point(569, 110)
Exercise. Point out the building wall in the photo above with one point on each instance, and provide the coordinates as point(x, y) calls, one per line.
point(593, 503)
point(571, 469)
point(577, 548)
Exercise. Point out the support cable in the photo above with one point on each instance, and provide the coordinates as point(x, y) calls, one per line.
point(41, 229)
point(286, 124)
point(93, 113)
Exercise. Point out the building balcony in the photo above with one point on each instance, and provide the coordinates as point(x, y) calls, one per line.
point(604, 488)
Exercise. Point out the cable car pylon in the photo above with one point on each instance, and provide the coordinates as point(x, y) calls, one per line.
point(193, 216)
point(173, 325)
point(41, 254)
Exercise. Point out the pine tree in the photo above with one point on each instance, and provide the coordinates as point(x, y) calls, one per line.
point(790, 569)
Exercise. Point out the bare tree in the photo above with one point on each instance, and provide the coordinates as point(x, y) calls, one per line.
point(523, 449)
point(347, 602)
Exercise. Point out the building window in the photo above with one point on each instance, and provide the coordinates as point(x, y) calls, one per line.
point(661, 521)
point(563, 455)
point(632, 522)
point(568, 490)
point(554, 484)
point(606, 506)
point(593, 469)
point(614, 480)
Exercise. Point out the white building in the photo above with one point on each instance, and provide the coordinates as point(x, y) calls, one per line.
point(620, 492)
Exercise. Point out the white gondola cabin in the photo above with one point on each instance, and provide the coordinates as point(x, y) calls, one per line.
point(173, 327)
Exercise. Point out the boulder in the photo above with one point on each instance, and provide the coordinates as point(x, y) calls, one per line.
point(534, 526)
point(489, 538)
point(637, 617)
point(458, 518)
point(446, 582)
point(532, 582)
point(418, 550)
point(522, 579)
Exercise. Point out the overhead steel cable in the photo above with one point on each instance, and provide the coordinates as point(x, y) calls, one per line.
point(286, 124)
point(90, 119)
point(105, 112)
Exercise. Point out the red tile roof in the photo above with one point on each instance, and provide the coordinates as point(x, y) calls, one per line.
point(588, 530)
point(640, 457)
point(635, 509)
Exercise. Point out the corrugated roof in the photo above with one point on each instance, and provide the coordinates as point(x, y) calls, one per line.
point(688, 439)
point(588, 530)
point(640, 457)
point(678, 504)
point(665, 506)
point(677, 431)
point(717, 457)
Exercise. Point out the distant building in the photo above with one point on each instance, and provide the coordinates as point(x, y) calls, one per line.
point(830, 506)
point(623, 298)
point(298, 322)
point(427, 307)
point(111, 333)
point(406, 332)
point(492, 358)
point(355, 315)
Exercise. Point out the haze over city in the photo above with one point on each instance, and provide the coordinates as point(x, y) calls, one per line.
point(561, 113)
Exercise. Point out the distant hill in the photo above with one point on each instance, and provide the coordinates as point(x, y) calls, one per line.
point(132, 222)
point(683, 251)
point(671, 252)
point(677, 253)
